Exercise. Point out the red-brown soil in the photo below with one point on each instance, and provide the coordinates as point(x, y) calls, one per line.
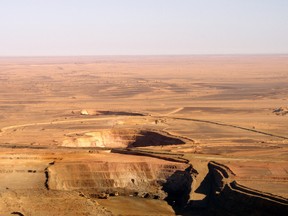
point(77, 129)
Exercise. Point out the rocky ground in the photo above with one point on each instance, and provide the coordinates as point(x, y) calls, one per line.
point(144, 136)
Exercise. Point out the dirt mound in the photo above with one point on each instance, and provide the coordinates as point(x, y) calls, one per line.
point(84, 112)
point(281, 111)
point(120, 138)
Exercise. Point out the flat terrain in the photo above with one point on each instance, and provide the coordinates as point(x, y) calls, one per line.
point(66, 121)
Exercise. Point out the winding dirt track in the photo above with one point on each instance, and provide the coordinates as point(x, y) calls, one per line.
point(4, 129)
point(220, 124)
point(232, 126)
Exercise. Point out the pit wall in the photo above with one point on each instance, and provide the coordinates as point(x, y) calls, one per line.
point(235, 199)
point(124, 178)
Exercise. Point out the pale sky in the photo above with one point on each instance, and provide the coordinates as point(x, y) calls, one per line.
point(142, 27)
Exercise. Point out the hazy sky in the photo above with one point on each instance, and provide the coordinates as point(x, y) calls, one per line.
point(128, 27)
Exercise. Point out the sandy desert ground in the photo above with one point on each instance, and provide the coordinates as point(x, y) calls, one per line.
point(144, 135)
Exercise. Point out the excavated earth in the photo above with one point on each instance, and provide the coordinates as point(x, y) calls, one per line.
point(120, 138)
point(82, 177)
point(126, 136)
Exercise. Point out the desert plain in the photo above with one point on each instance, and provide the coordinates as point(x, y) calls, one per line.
point(144, 135)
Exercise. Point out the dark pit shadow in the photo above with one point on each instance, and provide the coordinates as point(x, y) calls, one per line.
point(150, 138)
point(204, 188)
point(120, 113)
point(178, 188)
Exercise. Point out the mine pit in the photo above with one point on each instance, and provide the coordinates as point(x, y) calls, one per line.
point(155, 179)
point(120, 138)
point(93, 112)
point(101, 176)
point(129, 136)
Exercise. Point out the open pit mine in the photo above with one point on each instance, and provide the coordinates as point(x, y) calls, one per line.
point(95, 136)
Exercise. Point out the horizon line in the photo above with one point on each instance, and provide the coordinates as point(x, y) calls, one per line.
point(141, 55)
